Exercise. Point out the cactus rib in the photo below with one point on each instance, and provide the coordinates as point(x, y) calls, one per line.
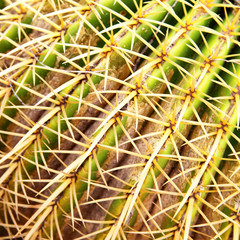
point(119, 119)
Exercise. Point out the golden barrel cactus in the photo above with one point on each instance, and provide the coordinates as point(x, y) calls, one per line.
point(119, 119)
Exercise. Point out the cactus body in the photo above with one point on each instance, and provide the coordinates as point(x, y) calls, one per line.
point(119, 119)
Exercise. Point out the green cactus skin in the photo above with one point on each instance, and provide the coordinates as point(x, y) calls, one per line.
point(12, 33)
point(48, 58)
point(201, 89)
point(120, 120)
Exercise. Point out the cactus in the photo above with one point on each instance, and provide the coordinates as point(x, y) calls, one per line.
point(119, 119)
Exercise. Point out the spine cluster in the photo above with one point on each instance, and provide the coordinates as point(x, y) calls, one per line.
point(119, 119)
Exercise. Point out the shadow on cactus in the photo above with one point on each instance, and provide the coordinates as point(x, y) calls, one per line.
point(119, 119)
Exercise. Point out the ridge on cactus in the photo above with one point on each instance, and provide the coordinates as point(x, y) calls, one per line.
point(119, 119)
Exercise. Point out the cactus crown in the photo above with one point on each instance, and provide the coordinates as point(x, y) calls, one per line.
point(119, 119)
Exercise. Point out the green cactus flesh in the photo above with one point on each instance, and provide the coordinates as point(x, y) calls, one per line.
point(119, 119)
